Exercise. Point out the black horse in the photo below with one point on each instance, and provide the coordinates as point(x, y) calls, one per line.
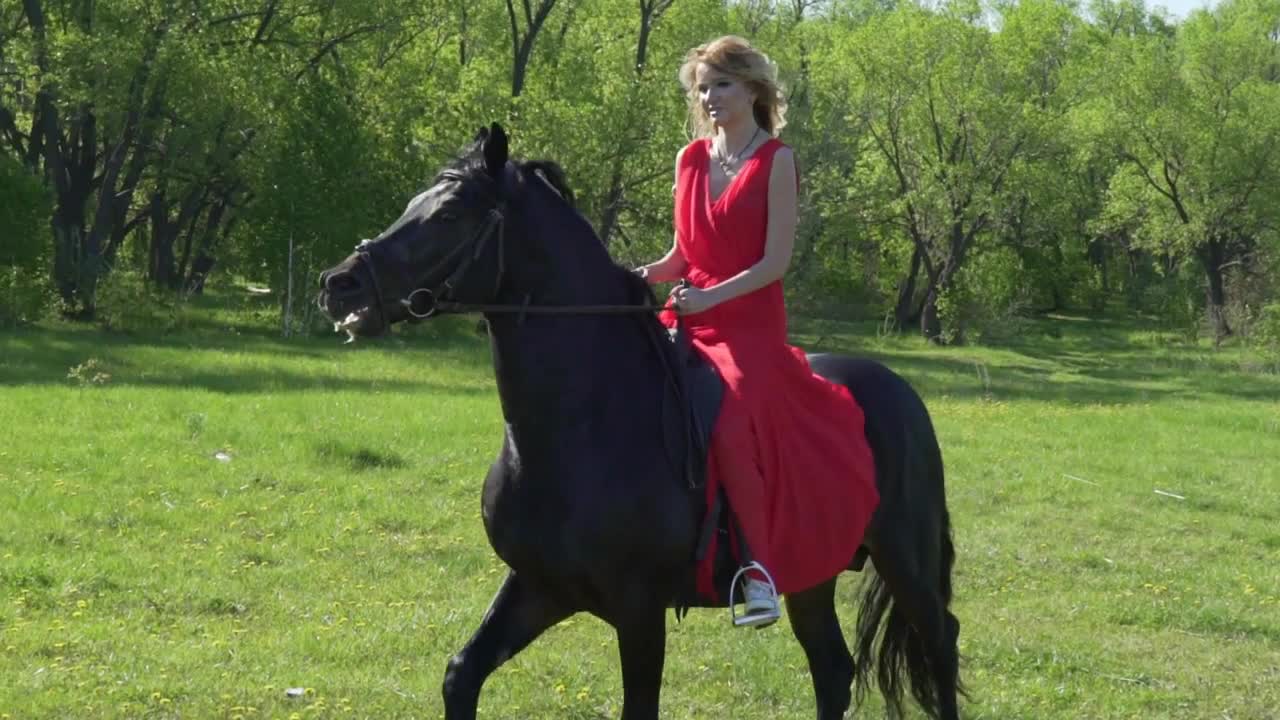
point(584, 502)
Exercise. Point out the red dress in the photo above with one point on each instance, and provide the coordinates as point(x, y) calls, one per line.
point(788, 445)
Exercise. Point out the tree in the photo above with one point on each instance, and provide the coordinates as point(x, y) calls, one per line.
point(950, 109)
point(1198, 120)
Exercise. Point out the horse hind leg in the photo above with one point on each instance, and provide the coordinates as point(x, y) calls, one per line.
point(518, 614)
point(815, 624)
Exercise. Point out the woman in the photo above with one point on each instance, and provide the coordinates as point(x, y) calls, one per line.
point(788, 446)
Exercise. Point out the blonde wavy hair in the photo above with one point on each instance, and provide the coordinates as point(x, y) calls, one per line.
point(734, 56)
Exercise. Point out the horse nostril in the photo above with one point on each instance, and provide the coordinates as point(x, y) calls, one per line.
point(341, 282)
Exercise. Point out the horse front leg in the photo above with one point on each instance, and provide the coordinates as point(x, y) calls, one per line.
point(642, 645)
point(518, 614)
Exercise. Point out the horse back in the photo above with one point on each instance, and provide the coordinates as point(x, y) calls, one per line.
point(897, 427)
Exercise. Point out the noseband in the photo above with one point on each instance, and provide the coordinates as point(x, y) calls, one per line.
point(433, 296)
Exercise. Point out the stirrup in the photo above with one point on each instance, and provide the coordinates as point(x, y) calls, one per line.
point(756, 620)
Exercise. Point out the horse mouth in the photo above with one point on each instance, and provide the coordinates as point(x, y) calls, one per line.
point(359, 322)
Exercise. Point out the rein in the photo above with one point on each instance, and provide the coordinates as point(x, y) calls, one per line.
point(425, 302)
point(435, 306)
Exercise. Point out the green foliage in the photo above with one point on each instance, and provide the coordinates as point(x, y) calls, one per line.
point(1090, 151)
point(24, 210)
point(24, 249)
point(1265, 334)
point(989, 301)
point(1175, 300)
point(1196, 118)
point(131, 305)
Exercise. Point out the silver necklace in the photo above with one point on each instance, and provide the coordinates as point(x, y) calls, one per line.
point(724, 161)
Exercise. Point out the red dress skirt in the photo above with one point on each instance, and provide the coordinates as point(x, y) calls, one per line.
point(788, 446)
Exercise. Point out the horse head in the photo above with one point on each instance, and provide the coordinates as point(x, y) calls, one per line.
point(447, 244)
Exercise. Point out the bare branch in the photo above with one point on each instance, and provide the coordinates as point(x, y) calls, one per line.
point(332, 45)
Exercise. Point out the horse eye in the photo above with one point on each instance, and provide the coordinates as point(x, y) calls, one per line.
point(446, 216)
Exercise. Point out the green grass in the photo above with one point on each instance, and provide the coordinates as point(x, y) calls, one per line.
point(340, 548)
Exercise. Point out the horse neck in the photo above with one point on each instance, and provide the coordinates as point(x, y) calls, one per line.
point(553, 369)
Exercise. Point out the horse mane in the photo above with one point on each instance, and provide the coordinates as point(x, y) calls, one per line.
point(555, 176)
point(639, 292)
point(471, 164)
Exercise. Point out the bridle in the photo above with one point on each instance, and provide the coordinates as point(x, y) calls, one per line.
point(437, 300)
point(424, 302)
point(432, 296)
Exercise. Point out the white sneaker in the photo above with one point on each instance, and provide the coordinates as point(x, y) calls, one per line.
point(761, 607)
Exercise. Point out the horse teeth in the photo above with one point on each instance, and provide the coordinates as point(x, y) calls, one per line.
point(346, 325)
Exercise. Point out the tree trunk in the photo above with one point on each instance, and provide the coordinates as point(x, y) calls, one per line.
point(930, 323)
point(650, 11)
point(189, 236)
point(66, 251)
point(139, 158)
point(904, 311)
point(110, 199)
point(202, 262)
point(200, 270)
point(1097, 253)
point(160, 268)
point(522, 46)
point(1212, 257)
point(69, 163)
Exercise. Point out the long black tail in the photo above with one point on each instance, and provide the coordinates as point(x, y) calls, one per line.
point(902, 654)
point(910, 545)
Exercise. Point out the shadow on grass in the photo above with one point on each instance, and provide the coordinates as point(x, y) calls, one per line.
point(359, 459)
point(45, 355)
point(1072, 360)
point(1061, 360)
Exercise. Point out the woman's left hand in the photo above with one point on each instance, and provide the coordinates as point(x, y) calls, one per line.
point(690, 300)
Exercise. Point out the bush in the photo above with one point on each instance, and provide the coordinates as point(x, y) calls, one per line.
point(985, 300)
point(25, 208)
point(1177, 301)
point(1265, 334)
point(128, 303)
point(25, 296)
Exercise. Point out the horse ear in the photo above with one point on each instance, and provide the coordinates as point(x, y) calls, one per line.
point(481, 134)
point(495, 150)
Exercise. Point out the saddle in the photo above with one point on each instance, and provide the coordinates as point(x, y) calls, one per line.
point(700, 391)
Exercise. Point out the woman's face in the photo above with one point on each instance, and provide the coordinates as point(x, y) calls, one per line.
point(725, 98)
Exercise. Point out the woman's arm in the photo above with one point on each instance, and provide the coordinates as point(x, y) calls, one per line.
point(669, 269)
point(672, 265)
point(779, 242)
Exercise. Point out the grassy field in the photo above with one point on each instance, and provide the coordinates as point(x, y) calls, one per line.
point(193, 522)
